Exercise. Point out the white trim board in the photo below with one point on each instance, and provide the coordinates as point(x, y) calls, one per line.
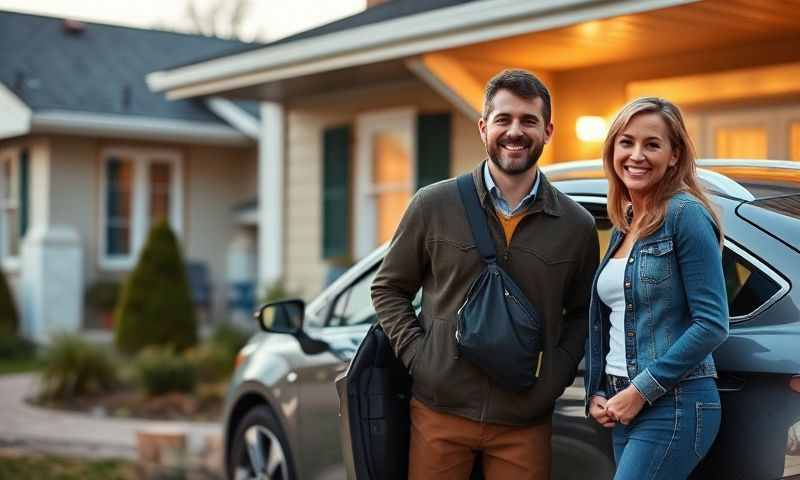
point(235, 116)
point(15, 116)
point(144, 128)
point(392, 39)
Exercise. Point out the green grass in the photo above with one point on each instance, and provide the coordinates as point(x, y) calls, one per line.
point(61, 468)
point(20, 365)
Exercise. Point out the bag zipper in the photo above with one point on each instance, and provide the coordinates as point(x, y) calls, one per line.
point(520, 305)
point(539, 364)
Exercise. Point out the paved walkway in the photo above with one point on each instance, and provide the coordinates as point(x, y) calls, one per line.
point(51, 431)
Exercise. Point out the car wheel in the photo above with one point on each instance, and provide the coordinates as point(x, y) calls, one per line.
point(260, 450)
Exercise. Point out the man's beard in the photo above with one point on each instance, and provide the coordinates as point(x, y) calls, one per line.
point(536, 150)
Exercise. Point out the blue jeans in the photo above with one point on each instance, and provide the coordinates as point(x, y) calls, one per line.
point(669, 438)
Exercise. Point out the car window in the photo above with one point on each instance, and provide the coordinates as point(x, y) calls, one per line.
point(354, 305)
point(748, 288)
point(602, 222)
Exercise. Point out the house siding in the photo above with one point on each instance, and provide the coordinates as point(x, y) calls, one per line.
point(74, 191)
point(215, 179)
point(306, 121)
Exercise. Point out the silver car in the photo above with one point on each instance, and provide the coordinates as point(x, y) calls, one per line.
point(284, 420)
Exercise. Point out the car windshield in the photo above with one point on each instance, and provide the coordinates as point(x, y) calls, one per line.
point(763, 182)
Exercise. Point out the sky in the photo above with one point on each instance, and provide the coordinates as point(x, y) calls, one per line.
point(269, 19)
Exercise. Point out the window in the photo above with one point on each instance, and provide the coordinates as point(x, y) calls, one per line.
point(794, 141)
point(385, 174)
point(749, 288)
point(139, 188)
point(119, 217)
point(603, 223)
point(391, 182)
point(354, 305)
point(741, 142)
point(14, 183)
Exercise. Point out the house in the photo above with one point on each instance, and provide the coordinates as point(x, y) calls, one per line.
point(90, 158)
point(363, 111)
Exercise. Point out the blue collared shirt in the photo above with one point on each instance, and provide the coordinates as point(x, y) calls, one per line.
point(500, 202)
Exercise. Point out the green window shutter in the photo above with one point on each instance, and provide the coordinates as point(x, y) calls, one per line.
point(24, 184)
point(433, 148)
point(335, 192)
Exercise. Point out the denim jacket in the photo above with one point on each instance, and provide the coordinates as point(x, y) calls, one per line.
point(676, 304)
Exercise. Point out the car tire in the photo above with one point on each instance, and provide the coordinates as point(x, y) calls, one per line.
point(259, 448)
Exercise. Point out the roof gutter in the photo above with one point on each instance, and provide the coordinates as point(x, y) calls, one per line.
point(144, 128)
point(392, 39)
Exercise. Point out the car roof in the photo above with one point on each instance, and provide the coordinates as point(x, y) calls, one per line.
point(745, 180)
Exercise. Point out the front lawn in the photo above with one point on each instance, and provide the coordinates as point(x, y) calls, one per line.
point(20, 365)
point(16, 467)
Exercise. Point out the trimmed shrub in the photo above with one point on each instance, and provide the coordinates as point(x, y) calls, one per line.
point(156, 305)
point(230, 338)
point(16, 348)
point(9, 319)
point(74, 366)
point(213, 362)
point(160, 370)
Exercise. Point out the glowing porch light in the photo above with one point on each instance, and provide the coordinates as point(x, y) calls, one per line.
point(591, 128)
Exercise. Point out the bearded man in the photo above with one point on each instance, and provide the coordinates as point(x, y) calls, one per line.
point(545, 241)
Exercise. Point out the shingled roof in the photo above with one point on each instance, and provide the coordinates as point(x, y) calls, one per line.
point(97, 68)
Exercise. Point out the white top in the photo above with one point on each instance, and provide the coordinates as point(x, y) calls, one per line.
point(611, 291)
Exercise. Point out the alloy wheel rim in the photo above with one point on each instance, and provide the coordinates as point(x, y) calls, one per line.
point(264, 456)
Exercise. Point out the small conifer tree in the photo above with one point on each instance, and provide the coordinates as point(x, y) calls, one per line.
point(9, 319)
point(155, 307)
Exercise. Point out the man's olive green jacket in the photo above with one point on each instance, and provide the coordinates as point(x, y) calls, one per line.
point(552, 256)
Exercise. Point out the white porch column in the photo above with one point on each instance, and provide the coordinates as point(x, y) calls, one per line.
point(51, 263)
point(52, 282)
point(270, 194)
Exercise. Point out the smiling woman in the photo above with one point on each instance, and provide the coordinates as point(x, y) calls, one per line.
point(663, 265)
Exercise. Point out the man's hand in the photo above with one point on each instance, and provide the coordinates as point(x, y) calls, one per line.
point(625, 405)
point(597, 409)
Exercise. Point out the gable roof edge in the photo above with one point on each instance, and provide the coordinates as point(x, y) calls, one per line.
point(392, 39)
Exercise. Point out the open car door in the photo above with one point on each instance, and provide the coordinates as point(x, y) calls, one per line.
point(374, 393)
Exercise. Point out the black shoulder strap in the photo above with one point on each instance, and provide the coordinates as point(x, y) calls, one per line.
point(476, 217)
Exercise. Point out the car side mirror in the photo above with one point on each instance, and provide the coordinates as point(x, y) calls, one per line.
point(284, 316)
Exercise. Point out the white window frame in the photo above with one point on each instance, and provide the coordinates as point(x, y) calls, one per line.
point(142, 158)
point(401, 121)
point(11, 155)
point(775, 120)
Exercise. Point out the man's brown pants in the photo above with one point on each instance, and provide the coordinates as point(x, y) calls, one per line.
point(443, 447)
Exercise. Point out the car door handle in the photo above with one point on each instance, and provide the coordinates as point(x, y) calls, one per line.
point(727, 383)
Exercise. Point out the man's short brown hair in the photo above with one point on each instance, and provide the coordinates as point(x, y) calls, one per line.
point(521, 83)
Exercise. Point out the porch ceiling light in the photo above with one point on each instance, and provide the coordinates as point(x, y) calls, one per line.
point(591, 128)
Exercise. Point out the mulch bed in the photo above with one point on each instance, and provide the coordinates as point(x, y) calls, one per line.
point(205, 405)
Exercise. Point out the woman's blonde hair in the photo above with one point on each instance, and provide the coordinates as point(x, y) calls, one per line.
point(682, 177)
